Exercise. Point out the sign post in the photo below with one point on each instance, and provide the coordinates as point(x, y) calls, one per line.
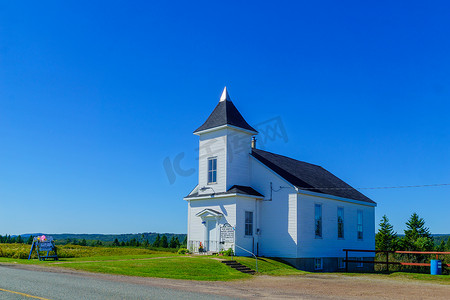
point(227, 234)
point(45, 244)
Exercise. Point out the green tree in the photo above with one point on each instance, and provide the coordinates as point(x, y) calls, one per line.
point(447, 245)
point(441, 246)
point(122, 244)
point(164, 242)
point(116, 243)
point(185, 242)
point(83, 242)
point(416, 230)
point(30, 240)
point(157, 242)
point(19, 240)
point(386, 238)
point(172, 243)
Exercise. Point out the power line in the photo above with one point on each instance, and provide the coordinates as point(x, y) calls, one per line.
point(378, 188)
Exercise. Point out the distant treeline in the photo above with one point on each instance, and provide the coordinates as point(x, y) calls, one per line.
point(147, 240)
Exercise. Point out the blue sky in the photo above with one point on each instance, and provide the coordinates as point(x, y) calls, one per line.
point(94, 97)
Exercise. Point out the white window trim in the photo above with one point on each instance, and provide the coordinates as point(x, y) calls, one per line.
point(321, 263)
point(321, 220)
point(343, 222)
point(362, 225)
point(359, 264)
point(207, 170)
point(341, 263)
point(253, 223)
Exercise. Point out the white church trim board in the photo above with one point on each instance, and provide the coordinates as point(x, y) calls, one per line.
point(278, 206)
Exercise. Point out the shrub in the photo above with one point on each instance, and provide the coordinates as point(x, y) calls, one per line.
point(182, 251)
point(228, 252)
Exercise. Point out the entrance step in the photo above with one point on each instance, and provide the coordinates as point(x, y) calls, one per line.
point(240, 267)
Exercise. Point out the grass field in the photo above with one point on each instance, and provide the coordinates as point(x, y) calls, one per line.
point(175, 267)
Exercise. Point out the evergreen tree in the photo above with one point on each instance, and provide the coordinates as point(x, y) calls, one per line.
point(417, 236)
point(116, 243)
point(19, 240)
point(157, 242)
point(447, 245)
point(83, 242)
point(164, 242)
point(441, 247)
point(172, 243)
point(146, 243)
point(185, 242)
point(30, 240)
point(386, 238)
point(122, 244)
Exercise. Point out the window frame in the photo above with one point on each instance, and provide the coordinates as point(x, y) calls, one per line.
point(360, 262)
point(359, 225)
point(317, 259)
point(318, 205)
point(340, 208)
point(212, 171)
point(341, 263)
point(249, 224)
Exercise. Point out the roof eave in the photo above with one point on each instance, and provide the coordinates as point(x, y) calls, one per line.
point(224, 127)
point(209, 196)
point(323, 195)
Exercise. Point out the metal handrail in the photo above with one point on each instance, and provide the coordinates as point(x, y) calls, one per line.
point(256, 258)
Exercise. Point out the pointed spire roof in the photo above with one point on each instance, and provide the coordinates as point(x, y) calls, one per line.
point(225, 113)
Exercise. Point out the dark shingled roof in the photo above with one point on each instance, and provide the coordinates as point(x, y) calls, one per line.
point(235, 189)
point(225, 113)
point(308, 176)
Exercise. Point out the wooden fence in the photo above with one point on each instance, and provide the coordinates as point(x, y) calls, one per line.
point(387, 262)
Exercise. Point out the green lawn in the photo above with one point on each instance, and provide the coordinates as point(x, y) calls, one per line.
point(267, 266)
point(176, 267)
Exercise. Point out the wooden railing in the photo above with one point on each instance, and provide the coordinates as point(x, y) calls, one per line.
point(387, 262)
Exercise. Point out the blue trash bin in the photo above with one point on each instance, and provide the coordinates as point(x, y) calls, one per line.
point(436, 267)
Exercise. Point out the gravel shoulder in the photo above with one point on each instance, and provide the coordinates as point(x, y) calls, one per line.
point(308, 286)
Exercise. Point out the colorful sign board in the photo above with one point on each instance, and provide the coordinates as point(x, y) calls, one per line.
point(44, 244)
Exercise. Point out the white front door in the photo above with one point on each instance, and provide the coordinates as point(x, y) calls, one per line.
point(212, 236)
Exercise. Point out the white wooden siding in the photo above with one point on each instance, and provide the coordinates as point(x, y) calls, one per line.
point(275, 239)
point(238, 158)
point(212, 144)
point(330, 245)
point(227, 206)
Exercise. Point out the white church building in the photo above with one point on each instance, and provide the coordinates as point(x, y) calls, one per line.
point(272, 205)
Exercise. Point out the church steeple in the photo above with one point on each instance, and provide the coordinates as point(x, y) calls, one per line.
point(225, 113)
point(225, 96)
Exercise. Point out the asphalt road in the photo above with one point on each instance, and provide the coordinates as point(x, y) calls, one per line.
point(16, 283)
